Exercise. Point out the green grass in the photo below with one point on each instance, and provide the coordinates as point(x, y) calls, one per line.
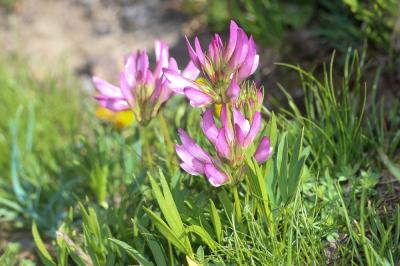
point(40, 119)
point(94, 195)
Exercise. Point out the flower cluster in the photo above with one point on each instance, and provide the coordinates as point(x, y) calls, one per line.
point(232, 141)
point(142, 90)
point(222, 86)
point(222, 68)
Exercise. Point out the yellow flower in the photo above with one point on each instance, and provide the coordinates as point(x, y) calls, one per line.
point(104, 114)
point(118, 119)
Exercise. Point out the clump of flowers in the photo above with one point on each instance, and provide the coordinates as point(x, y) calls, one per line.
point(222, 87)
point(223, 83)
point(141, 90)
point(222, 68)
point(231, 142)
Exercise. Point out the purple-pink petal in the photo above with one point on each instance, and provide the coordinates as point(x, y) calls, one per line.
point(177, 81)
point(247, 66)
point(172, 65)
point(241, 121)
point(106, 89)
point(158, 90)
point(241, 49)
point(215, 176)
point(255, 64)
point(196, 97)
point(260, 97)
point(192, 54)
point(148, 78)
point(233, 32)
point(218, 41)
point(114, 105)
point(222, 145)
point(212, 51)
point(142, 66)
point(240, 136)
point(226, 125)
point(126, 89)
point(199, 51)
point(130, 69)
point(263, 151)
point(195, 150)
point(254, 129)
point(233, 89)
point(209, 127)
point(188, 169)
point(194, 164)
point(162, 57)
point(191, 71)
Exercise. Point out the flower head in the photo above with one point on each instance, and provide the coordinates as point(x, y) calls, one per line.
point(231, 142)
point(222, 68)
point(140, 89)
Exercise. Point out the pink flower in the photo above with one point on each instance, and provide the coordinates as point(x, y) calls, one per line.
point(223, 68)
point(235, 136)
point(263, 151)
point(231, 142)
point(195, 161)
point(140, 89)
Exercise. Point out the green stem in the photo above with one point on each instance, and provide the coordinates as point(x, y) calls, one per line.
point(238, 211)
point(147, 158)
point(171, 254)
point(171, 158)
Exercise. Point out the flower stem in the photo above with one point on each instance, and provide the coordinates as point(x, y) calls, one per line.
point(238, 211)
point(146, 152)
point(171, 159)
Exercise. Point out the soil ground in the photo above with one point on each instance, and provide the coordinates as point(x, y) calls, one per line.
point(89, 36)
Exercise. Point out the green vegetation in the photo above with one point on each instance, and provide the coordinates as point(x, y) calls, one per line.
point(8, 4)
point(87, 193)
point(341, 23)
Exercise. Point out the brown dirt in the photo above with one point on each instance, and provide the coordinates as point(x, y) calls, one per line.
point(86, 35)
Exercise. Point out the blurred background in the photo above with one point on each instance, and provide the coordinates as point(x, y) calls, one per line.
point(92, 36)
point(49, 49)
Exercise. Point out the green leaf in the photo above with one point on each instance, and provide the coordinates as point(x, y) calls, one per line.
point(44, 254)
point(257, 184)
point(204, 235)
point(170, 212)
point(216, 221)
point(166, 231)
point(155, 247)
point(393, 168)
point(132, 252)
point(281, 166)
point(226, 203)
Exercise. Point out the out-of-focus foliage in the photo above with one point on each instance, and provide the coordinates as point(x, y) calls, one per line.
point(343, 23)
point(8, 4)
point(9, 256)
point(263, 19)
point(350, 22)
point(20, 90)
point(39, 121)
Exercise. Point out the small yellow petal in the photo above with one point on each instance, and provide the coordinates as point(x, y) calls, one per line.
point(123, 119)
point(104, 114)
